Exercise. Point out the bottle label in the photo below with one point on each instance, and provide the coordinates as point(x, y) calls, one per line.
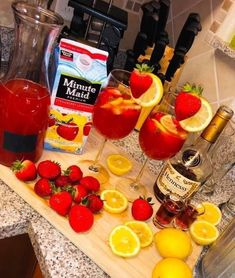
point(171, 181)
point(19, 143)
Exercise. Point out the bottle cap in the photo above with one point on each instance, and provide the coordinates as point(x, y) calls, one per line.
point(225, 112)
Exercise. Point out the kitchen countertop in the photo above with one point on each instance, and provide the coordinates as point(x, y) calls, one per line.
point(57, 256)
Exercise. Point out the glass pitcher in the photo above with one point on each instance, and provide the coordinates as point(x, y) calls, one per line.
point(24, 90)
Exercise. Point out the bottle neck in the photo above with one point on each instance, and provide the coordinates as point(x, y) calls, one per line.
point(203, 145)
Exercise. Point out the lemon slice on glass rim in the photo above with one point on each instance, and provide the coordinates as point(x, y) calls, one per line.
point(114, 201)
point(118, 164)
point(124, 242)
point(200, 120)
point(153, 95)
point(143, 231)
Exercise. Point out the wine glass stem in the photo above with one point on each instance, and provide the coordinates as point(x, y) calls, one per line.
point(136, 183)
point(94, 166)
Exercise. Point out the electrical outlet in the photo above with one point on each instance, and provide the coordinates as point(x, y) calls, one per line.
point(61, 7)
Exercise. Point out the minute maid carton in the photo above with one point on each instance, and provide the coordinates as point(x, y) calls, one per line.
point(80, 72)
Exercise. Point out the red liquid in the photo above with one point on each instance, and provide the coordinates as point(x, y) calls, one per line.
point(167, 211)
point(157, 142)
point(115, 114)
point(186, 217)
point(24, 110)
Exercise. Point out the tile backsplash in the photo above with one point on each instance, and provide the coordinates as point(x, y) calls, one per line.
point(205, 65)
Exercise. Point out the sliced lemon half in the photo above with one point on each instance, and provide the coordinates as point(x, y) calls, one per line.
point(124, 242)
point(153, 95)
point(142, 230)
point(209, 212)
point(203, 232)
point(118, 164)
point(173, 126)
point(200, 120)
point(114, 201)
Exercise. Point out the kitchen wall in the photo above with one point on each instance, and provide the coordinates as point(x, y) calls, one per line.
point(208, 66)
point(205, 65)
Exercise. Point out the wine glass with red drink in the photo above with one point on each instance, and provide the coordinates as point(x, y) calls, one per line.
point(160, 138)
point(114, 116)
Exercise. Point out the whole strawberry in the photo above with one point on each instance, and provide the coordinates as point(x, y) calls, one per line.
point(61, 202)
point(24, 170)
point(140, 80)
point(74, 173)
point(188, 102)
point(90, 183)
point(142, 209)
point(62, 181)
point(49, 169)
point(79, 192)
point(43, 187)
point(81, 218)
point(94, 203)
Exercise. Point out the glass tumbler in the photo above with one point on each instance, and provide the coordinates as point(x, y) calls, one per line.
point(168, 210)
point(219, 261)
point(187, 216)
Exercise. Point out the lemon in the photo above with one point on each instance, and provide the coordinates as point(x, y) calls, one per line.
point(211, 213)
point(171, 268)
point(124, 242)
point(118, 164)
point(168, 122)
point(153, 95)
point(174, 243)
point(114, 201)
point(200, 120)
point(142, 230)
point(203, 232)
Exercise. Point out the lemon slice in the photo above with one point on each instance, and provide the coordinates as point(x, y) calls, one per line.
point(142, 230)
point(114, 201)
point(173, 126)
point(153, 95)
point(203, 232)
point(118, 164)
point(200, 120)
point(211, 213)
point(124, 242)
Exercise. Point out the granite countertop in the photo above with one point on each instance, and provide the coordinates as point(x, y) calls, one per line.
point(57, 256)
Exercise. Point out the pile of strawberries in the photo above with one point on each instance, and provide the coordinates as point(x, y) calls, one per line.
point(69, 192)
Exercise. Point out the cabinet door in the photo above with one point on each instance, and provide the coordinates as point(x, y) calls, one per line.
point(17, 258)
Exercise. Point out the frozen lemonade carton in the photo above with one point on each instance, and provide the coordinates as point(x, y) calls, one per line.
point(80, 72)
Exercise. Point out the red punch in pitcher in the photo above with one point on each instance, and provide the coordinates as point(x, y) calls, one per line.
point(24, 90)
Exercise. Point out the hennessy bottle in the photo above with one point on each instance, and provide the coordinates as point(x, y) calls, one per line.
point(191, 167)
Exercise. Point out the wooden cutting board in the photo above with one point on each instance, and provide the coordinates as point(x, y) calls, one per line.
point(94, 243)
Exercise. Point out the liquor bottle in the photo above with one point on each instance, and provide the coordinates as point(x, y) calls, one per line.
point(191, 167)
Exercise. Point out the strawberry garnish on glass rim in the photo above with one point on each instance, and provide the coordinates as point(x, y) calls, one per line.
point(139, 80)
point(188, 101)
point(146, 88)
